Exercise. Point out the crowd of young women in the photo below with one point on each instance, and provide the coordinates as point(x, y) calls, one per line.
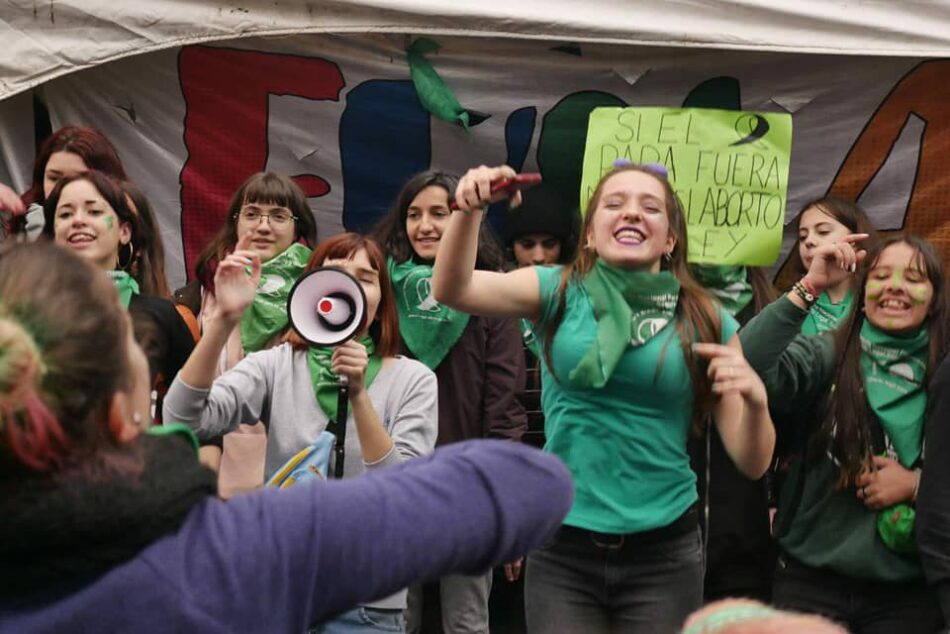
point(687, 402)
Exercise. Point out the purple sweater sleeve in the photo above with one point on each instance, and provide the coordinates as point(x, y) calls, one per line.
point(282, 560)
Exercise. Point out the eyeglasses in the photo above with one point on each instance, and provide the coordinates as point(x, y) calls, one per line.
point(277, 218)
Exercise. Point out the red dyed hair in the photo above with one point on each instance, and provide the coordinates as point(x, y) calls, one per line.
point(385, 329)
point(88, 143)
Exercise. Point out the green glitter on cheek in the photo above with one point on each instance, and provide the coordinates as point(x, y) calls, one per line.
point(110, 222)
point(919, 295)
point(873, 289)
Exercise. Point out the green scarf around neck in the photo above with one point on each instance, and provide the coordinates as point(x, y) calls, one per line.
point(430, 329)
point(893, 368)
point(267, 315)
point(824, 315)
point(125, 285)
point(631, 307)
point(728, 284)
point(326, 383)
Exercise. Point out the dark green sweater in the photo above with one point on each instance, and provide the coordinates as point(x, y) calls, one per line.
point(829, 529)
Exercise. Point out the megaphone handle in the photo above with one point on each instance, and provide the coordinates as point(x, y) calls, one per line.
point(342, 405)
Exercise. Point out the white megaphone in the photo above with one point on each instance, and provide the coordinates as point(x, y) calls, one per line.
point(327, 306)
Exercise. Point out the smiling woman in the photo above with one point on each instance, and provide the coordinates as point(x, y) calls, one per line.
point(90, 214)
point(477, 360)
point(852, 409)
point(625, 330)
point(273, 212)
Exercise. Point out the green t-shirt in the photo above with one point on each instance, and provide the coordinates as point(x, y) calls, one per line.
point(625, 444)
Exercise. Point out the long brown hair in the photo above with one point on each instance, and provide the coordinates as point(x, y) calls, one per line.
point(390, 231)
point(148, 264)
point(62, 356)
point(846, 411)
point(268, 188)
point(385, 328)
point(697, 317)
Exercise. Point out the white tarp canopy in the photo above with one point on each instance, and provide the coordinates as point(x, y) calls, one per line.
point(44, 39)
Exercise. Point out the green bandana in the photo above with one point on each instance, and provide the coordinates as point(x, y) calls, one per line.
point(126, 286)
point(267, 314)
point(630, 307)
point(326, 383)
point(893, 368)
point(428, 328)
point(728, 284)
point(824, 315)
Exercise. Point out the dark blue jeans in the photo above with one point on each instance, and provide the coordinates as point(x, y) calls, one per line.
point(864, 607)
point(588, 583)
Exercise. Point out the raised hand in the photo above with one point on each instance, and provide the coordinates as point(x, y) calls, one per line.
point(887, 484)
point(730, 372)
point(833, 263)
point(236, 280)
point(350, 360)
point(474, 188)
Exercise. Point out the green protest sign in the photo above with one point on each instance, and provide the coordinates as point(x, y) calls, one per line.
point(729, 168)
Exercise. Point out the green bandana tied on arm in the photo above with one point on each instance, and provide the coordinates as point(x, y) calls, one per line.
point(326, 383)
point(728, 284)
point(125, 285)
point(630, 307)
point(824, 315)
point(893, 368)
point(429, 328)
point(267, 314)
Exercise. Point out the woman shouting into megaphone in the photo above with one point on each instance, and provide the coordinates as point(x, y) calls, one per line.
point(292, 388)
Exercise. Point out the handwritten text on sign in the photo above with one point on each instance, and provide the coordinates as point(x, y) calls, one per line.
point(729, 168)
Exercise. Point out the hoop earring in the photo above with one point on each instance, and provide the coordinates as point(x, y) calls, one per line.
point(131, 258)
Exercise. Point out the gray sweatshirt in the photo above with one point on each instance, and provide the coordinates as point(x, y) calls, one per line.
point(274, 386)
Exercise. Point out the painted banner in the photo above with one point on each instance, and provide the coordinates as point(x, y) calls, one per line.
point(341, 115)
point(728, 167)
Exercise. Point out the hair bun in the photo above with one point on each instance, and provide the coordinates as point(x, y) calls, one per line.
point(21, 363)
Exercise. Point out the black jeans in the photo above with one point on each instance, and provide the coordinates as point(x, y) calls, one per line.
point(864, 607)
point(590, 583)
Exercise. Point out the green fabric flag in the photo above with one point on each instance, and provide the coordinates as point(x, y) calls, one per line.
point(267, 314)
point(432, 91)
point(326, 383)
point(630, 307)
point(894, 367)
point(126, 286)
point(824, 315)
point(728, 284)
point(429, 328)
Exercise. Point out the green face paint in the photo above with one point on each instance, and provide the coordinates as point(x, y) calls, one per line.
point(110, 222)
point(920, 294)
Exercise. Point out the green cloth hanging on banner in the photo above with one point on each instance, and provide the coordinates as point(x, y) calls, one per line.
point(125, 285)
point(728, 284)
point(435, 95)
point(430, 329)
point(267, 315)
point(893, 369)
point(326, 384)
point(824, 315)
point(631, 307)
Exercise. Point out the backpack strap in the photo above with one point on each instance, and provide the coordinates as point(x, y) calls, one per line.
point(190, 320)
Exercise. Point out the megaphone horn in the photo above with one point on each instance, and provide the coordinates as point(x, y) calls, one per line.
point(327, 306)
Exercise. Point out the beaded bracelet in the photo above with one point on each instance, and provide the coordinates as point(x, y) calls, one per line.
point(808, 295)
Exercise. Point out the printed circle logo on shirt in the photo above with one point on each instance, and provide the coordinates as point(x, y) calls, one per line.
point(649, 327)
